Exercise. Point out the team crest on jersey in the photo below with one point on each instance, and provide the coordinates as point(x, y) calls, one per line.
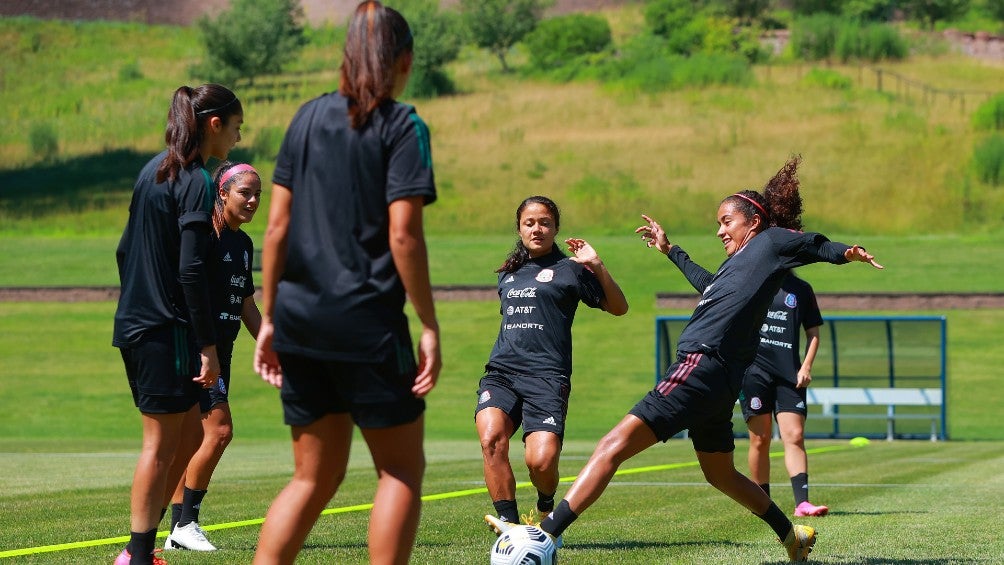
point(545, 275)
point(789, 300)
point(485, 397)
point(756, 403)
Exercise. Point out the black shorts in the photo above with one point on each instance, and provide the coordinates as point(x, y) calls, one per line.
point(160, 369)
point(697, 394)
point(539, 403)
point(219, 393)
point(376, 395)
point(765, 393)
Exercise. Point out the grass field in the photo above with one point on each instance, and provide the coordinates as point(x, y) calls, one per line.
point(900, 503)
point(69, 437)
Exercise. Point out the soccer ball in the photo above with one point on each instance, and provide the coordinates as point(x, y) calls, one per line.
point(524, 545)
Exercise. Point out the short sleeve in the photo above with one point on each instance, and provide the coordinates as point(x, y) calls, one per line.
point(409, 165)
point(812, 317)
point(194, 197)
point(590, 291)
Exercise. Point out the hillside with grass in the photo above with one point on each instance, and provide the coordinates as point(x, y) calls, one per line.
point(84, 105)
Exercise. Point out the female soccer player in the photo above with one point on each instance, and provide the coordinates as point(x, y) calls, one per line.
point(776, 383)
point(232, 301)
point(163, 324)
point(714, 349)
point(527, 379)
point(343, 247)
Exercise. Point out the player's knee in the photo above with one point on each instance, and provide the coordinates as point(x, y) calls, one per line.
point(494, 444)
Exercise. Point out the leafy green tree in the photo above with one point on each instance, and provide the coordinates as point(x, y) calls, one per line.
point(438, 37)
point(250, 39)
point(747, 12)
point(680, 22)
point(811, 7)
point(497, 25)
point(559, 40)
point(930, 12)
point(995, 9)
point(870, 10)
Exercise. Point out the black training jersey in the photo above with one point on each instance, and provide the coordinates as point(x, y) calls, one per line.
point(230, 280)
point(734, 301)
point(340, 296)
point(794, 308)
point(153, 267)
point(538, 304)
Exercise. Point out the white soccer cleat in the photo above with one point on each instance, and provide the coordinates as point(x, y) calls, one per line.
point(189, 537)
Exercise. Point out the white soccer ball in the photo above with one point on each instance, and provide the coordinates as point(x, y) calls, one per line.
point(524, 545)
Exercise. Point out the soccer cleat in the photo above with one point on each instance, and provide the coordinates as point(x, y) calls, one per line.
point(808, 509)
point(124, 558)
point(799, 542)
point(497, 525)
point(189, 536)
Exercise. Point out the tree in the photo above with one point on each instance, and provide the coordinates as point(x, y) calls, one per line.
point(251, 38)
point(438, 38)
point(931, 11)
point(497, 25)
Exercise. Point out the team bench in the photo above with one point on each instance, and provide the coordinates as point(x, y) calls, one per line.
point(834, 399)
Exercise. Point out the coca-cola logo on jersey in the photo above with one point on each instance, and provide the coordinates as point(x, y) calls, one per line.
point(528, 292)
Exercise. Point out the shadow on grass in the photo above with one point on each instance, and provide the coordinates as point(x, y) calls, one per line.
point(76, 184)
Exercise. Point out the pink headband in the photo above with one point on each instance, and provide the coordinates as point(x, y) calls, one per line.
point(236, 170)
point(753, 202)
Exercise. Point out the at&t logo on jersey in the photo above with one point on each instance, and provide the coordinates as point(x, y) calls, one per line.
point(790, 301)
point(519, 310)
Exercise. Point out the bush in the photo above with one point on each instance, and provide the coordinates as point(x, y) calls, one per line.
point(870, 42)
point(560, 40)
point(814, 38)
point(43, 141)
point(642, 67)
point(827, 79)
point(990, 114)
point(250, 39)
point(438, 36)
point(988, 160)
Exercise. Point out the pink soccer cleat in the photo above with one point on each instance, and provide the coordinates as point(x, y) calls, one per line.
point(808, 509)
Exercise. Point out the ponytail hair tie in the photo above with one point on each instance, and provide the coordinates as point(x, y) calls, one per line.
point(236, 170)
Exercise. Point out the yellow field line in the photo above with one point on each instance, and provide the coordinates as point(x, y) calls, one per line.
point(122, 540)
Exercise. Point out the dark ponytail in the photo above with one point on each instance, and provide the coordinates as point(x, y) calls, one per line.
point(782, 196)
point(781, 203)
point(191, 109)
point(520, 254)
point(376, 39)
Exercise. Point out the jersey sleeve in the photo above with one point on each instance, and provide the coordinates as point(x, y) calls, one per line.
point(804, 248)
point(293, 141)
point(590, 291)
point(696, 275)
point(811, 318)
point(194, 198)
point(409, 165)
